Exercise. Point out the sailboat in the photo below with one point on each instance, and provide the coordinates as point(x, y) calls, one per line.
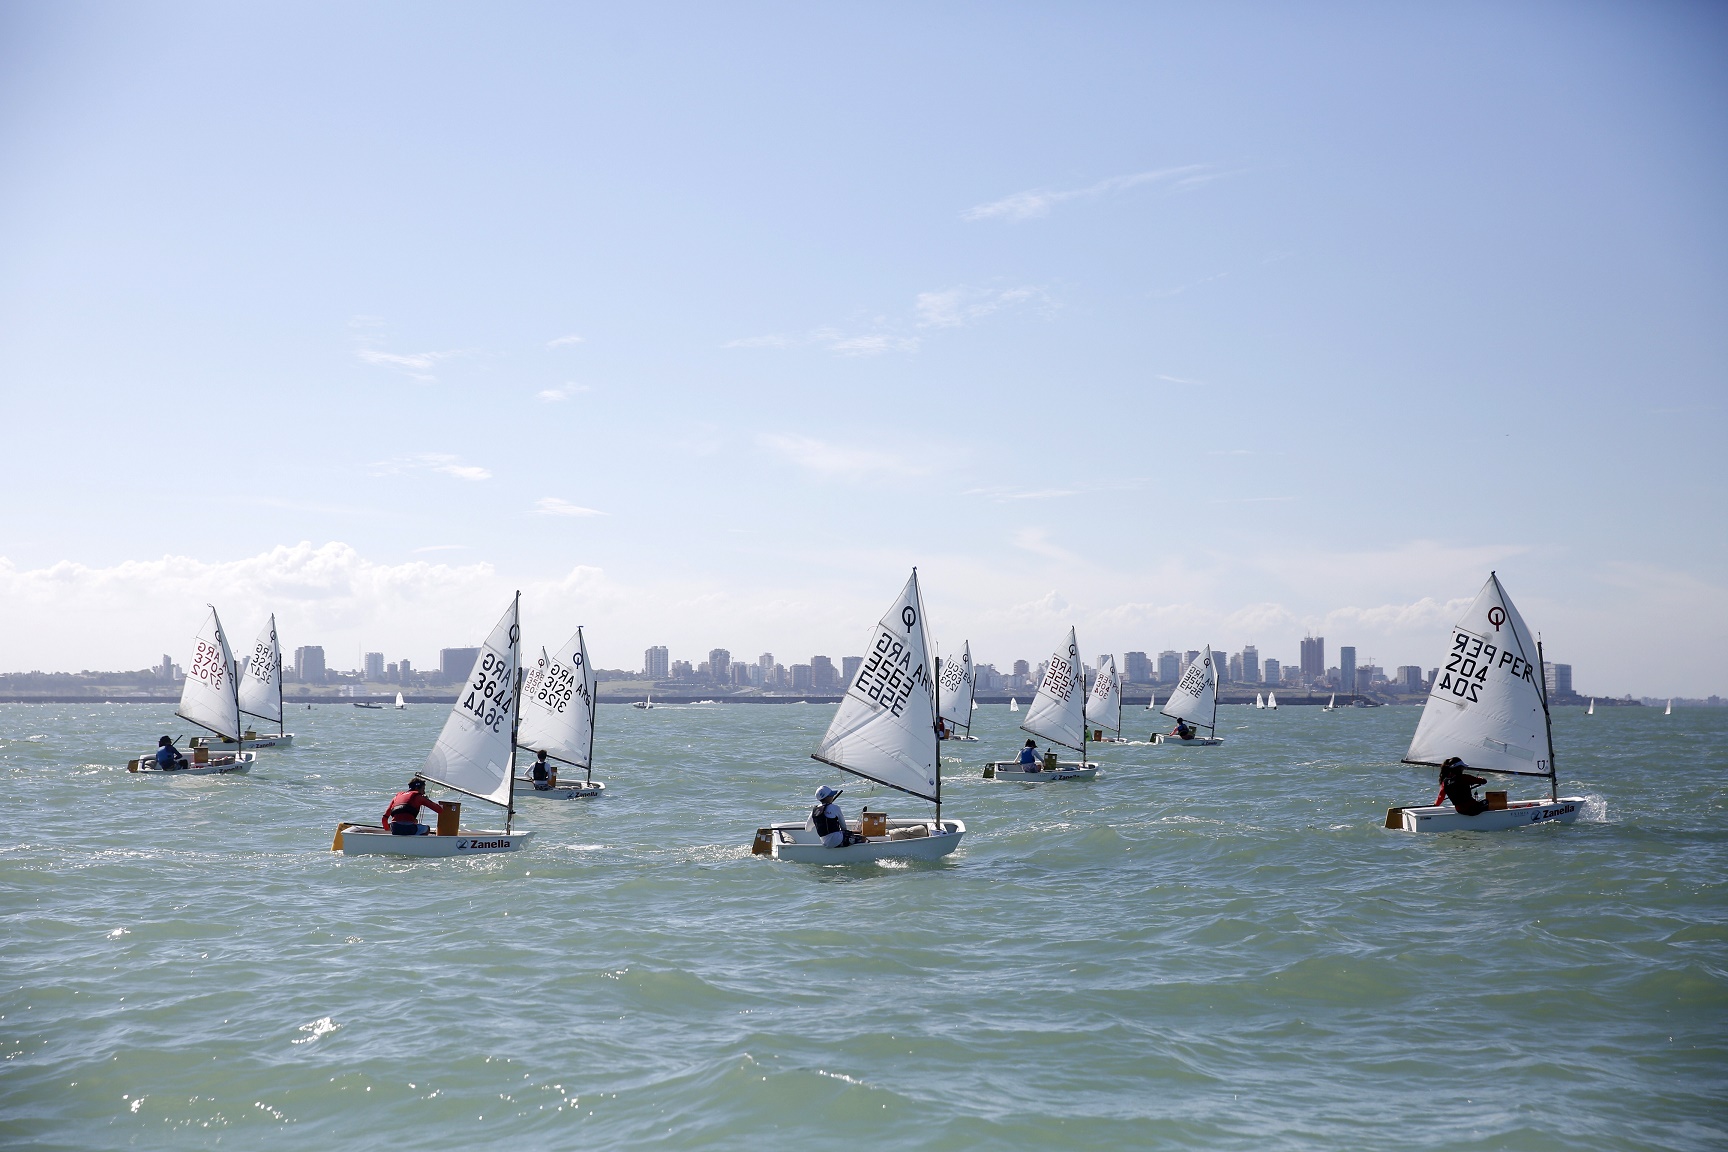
point(955, 683)
point(475, 755)
point(1331, 703)
point(1259, 700)
point(1669, 711)
point(1272, 701)
point(558, 716)
point(1013, 704)
point(260, 695)
point(646, 702)
point(401, 704)
point(210, 699)
point(1488, 707)
point(1196, 695)
point(884, 730)
point(1104, 705)
point(1058, 714)
point(1152, 700)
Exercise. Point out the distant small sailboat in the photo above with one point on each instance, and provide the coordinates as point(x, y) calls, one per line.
point(1669, 711)
point(1591, 711)
point(1013, 704)
point(645, 703)
point(368, 705)
point(475, 755)
point(1331, 703)
point(1488, 708)
point(1058, 714)
point(1259, 700)
point(1152, 701)
point(1196, 695)
point(1272, 701)
point(558, 718)
point(210, 699)
point(1104, 705)
point(955, 683)
point(400, 703)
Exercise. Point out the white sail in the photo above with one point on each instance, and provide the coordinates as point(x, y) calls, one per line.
point(1104, 702)
point(954, 689)
point(473, 752)
point(1486, 706)
point(885, 727)
point(1152, 701)
point(1196, 697)
point(1331, 701)
point(1013, 704)
point(1057, 711)
point(400, 703)
point(558, 705)
point(1259, 700)
point(261, 683)
point(1272, 700)
point(211, 699)
point(1669, 711)
point(1591, 711)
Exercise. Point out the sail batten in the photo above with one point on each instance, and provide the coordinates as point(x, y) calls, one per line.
point(473, 750)
point(955, 687)
point(210, 698)
point(1196, 694)
point(558, 705)
point(261, 683)
point(1486, 705)
point(1058, 710)
point(885, 727)
point(1104, 702)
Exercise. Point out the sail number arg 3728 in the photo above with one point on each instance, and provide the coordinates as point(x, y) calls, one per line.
point(886, 678)
point(1468, 664)
point(488, 699)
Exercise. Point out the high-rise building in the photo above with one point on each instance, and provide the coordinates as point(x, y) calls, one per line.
point(1347, 668)
point(309, 664)
point(1169, 667)
point(823, 677)
point(1137, 668)
point(1557, 678)
point(166, 668)
point(849, 666)
point(1313, 658)
point(374, 667)
point(454, 664)
point(800, 677)
point(1410, 678)
point(1273, 671)
point(1021, 668)
point(720, 665)
point(656, 663)
point(766, 663)
point(681, 670)
point(1235, 667)
point(404, 672)
point(1250, 664)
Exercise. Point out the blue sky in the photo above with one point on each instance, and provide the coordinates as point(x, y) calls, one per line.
point(1188, 324)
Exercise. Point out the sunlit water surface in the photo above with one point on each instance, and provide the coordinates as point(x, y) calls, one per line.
point(1207, 948)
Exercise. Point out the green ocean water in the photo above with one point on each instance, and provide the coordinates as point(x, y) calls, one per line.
point(1206, 948)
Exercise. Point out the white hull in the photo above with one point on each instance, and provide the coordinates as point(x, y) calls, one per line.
point(1013, 772)
point(1517, 814)
point(799, 844)
point(370, 840)
point(240, 762)
point(1197, 742)
point(962, 739)
point(576, 790)
point(268, 740)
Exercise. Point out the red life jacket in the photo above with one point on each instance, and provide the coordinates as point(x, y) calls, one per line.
point(405, 807)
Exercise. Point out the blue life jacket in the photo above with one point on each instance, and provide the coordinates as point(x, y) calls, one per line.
point(1028, 755)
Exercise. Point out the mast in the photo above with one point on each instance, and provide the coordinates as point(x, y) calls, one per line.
point(281, 705)
point(935, 698)
point(1548, 724)
point(1083, 721)
point(593, 709)
point(515, 710)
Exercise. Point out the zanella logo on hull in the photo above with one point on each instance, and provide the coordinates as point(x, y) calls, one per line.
point(481, 845)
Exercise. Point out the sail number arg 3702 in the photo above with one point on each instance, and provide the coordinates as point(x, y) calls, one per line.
point(208, 665)
point(886, 678)
point(488, 698)
point(1468, 665)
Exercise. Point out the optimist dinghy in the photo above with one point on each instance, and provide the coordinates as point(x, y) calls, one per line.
point(885, 731)
point(1272, 701)
point(1196, 695)
point(401, 704)
point(1104, 704)
point(558, 717)
point(646, 702)
point(1058, 714)
point(210, 699)
point(475, 755)
point(1591, 711)
point(955, 681)
point(1331, 703)
point(1489, 708)
point(260, 681)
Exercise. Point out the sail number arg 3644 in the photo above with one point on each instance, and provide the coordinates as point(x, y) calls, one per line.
point(488, 698)
point(1468, 664)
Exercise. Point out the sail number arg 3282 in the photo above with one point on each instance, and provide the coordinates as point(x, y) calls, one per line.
point(886, 678)
point(488, 698)
point(1468, 664)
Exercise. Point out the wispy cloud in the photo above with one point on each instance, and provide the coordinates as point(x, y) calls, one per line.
point(442, 548)
point(1037, 541)
point(1015, 494)
point(1039, 201)
point(1181, 380)
point(564, 342)
point(439, 462)
point(553, 506)
point(563, 392)
point(868, 344)
point(954, 307)
point(835, 460)
point(417, 365)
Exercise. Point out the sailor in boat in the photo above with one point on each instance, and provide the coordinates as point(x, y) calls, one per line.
point(1029, 757)
point(543, 774)
point(943, 731)
point(1456, 785)
point(827, 821)
point(1183, 730)
point(168, 757)
point(403, 815)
